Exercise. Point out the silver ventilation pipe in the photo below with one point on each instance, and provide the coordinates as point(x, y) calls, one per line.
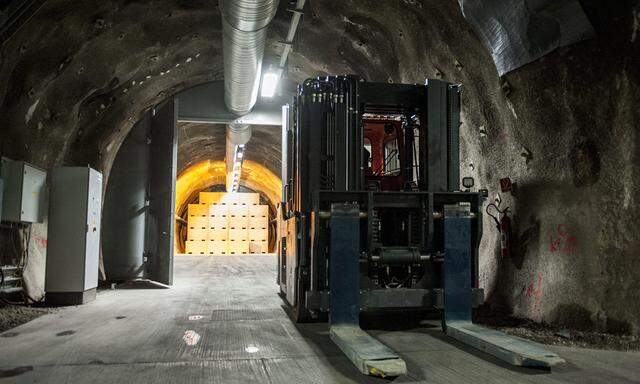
point(244, 32)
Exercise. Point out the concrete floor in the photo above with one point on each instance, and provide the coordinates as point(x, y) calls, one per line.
point(222, 322)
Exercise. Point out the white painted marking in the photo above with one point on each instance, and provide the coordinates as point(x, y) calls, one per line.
point(252, 349)
point(191, 338)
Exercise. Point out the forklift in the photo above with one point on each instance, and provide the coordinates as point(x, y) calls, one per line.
point(373, 217)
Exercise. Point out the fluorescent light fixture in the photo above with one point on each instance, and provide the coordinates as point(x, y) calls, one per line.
point(270, 83)
point(240, 154)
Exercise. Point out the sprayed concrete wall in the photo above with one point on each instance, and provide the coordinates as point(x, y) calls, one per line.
point(563, 128)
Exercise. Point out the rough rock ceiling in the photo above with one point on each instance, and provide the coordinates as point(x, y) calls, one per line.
point(199, 142)
point(70, 90)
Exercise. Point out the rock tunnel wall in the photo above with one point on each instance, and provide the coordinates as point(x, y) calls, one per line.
point(563, 128)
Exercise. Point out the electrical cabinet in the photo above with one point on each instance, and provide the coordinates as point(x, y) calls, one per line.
point(23, 192)
point(73, 235)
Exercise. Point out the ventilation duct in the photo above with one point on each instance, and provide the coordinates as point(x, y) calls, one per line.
point(244, 28)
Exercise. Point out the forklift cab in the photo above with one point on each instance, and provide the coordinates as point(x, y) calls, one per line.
point(389, 165)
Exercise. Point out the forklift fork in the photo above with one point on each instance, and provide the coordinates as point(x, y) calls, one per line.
point(458, 300)
point(372, 357)
point(369, 355)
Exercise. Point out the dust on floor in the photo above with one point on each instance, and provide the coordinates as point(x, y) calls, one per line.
point(13, 315)
point(553, 335)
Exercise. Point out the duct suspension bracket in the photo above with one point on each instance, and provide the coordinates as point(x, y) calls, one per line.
point(458, 300)
point(297, 14)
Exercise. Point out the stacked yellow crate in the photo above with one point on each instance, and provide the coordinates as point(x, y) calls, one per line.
point(227, 224)
point(218, 230)
point(258, 228)
point(208, 198)
point(198, 229)
point(238, 223)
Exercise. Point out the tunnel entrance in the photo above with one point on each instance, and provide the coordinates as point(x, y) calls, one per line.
point(160, 175)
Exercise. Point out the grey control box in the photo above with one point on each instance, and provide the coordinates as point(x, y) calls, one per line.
point(73, 252)
point(23, 197)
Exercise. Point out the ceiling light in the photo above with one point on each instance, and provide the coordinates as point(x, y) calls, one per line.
point(270, 83)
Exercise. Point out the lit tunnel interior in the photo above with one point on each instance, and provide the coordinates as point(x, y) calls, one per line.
point(201, 167)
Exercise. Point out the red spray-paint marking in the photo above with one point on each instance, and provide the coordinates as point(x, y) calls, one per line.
point(563, 241)
point(535, 291)
point(41, 242)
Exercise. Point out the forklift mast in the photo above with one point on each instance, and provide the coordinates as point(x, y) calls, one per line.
point(333, 120)
point(372, 216)
point(393, 148)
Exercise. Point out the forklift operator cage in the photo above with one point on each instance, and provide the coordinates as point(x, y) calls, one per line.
point(394, 150)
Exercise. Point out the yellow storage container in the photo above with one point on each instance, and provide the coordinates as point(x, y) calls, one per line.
point(198, 221)
point(238, 216)
point(218, 210)
point(198, 233)
point(238, 247)
point(238, 234)
point(218, 234)
point(196, 247)
point(259, 234)
point(227, 223)
point(238, 210)
point(217, 247)
point(239, 222)
point(208, 198)
point(198, 210)
point(258, 211)
point(218, 216)
point(258, 247)
point(243, 198)
point(259, 216)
